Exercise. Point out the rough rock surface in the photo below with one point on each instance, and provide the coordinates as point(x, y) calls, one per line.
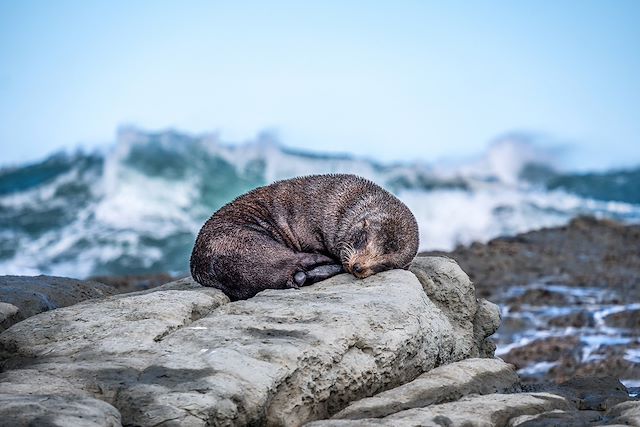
point(588, 393)
point(559, 418)
point(486, 410)
point(442, 384)
point(180, 354)
point(58, 411)
point(626, 413)
point(22, 297)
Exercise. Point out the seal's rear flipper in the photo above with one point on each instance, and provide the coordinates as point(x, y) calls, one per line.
point(323, 272)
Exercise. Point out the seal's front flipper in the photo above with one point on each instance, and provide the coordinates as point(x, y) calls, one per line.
point(307, 261)
point(323, 272)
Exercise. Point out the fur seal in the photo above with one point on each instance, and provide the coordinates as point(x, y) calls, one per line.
point(299, 231)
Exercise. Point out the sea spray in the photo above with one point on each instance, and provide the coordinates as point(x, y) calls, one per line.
point(137, 206)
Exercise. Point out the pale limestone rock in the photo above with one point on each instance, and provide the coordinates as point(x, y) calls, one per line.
point(472, 411)
point(56, 411)
point(626, 413)
point(24, 296)
point(442, 384)
point(182, 355)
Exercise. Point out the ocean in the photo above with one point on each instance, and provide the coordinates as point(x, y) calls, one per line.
point(136, 207)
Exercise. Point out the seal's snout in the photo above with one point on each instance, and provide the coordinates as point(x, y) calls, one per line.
point(359, 270)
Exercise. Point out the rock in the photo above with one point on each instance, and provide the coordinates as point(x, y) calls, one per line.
point(180, 354)
point(452, 292)
point(576, 319)
point(626, 413)
point(538, 297)
point(558, 418)
point(587, 252)
point(486, 410)
point(586, 393)
point(594, 393)
point(612, 364)
point(58, 411)
point(8, 315)
point(33, 295)
point(134, 283)
point(442, 384)
point(547, 349)
point(563, 281)
point(628, 319)
point(485, 323)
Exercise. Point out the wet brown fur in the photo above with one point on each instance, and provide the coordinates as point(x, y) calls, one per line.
point(263, 238)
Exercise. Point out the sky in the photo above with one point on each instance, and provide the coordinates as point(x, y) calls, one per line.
point(393, 81)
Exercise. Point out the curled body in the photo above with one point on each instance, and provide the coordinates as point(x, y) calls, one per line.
point(302, 230)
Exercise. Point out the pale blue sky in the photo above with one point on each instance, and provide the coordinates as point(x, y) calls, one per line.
point(391, 80)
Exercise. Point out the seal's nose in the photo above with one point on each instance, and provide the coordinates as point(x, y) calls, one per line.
point(357, 268)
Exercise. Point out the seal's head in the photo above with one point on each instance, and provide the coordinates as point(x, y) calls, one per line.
point(380, 243)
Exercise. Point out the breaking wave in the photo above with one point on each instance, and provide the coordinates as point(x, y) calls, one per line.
point(136, 207)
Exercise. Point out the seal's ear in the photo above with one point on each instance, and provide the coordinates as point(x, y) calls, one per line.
point(365, 223)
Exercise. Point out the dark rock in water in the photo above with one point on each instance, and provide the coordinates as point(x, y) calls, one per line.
point(577, 319)
point(547, 350)
point(592, 393)
point(627, 319)
point(22, 296)
point(538, 297)
point(587, 252)
point(570, 298)
point(615, 365)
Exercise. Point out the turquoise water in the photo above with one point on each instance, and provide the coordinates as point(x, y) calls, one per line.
point(136, 207)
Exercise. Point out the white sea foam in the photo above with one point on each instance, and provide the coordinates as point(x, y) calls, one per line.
point(133, 215)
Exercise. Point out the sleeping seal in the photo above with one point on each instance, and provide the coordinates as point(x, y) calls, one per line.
point(299, 231)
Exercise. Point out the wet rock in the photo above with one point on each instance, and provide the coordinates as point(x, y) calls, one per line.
point(442, 384)
point(628, 319)
point(548, 349)
point(180, 354)
point(487, 410)
point(538, 297)
point(595, 393)
point(585, 253)
point(514, 323)
point(576, 319)
point(33, 295)
point(616, 366)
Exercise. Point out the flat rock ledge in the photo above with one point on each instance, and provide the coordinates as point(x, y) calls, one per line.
point(24, 296)
point(443, 384)
point(181, 354)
